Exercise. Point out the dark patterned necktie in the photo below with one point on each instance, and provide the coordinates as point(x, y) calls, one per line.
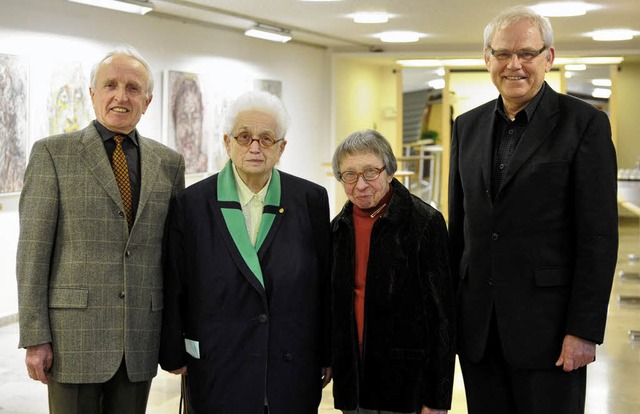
point(121, 171)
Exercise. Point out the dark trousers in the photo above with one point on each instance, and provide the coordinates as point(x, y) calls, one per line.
point(116, 396)
point(493, 386)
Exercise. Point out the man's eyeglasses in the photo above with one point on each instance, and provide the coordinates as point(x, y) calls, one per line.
point(370, 174)
point(523, 55)
point(266, 141)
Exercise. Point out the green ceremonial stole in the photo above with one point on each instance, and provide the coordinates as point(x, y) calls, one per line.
point(233, 217)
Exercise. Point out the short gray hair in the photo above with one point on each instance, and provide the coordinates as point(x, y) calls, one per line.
point(366, 141)
point(514, 15)
point(124, 50)
point(259, 101)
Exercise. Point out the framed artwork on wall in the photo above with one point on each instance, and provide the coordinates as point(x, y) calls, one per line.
point(14, 125)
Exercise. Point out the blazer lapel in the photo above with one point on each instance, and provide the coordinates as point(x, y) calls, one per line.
point(271, 214)
point(539, 129)
point(95, 157)
point(485, 138)
point(149, 168)
point(235, 224)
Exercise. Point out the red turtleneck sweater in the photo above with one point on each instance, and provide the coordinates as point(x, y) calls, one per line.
point(363, 224)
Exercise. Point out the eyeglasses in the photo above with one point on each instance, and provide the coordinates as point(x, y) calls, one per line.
point(523, 55)
point(370, 174)
point(266, 141)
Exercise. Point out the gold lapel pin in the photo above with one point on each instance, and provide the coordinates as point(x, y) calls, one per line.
point(281, 210)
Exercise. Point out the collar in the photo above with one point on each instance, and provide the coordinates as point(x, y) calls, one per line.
point(244, 192)
point(106, 134)
point(527, 111)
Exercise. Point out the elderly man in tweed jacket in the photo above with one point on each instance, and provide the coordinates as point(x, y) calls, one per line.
point(89, 264)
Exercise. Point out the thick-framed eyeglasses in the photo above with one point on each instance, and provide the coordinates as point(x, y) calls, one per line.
point(266, 141)
point(504, 55)
point(370, 174)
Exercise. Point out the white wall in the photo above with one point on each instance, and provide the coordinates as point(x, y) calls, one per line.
point(51, 32)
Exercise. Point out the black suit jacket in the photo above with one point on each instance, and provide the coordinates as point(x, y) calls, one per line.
point(541, 252)
point(252, 339)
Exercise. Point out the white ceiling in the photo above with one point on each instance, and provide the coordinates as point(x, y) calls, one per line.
point(452, 28)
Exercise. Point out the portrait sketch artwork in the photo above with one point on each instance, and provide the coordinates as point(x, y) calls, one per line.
point(186, 120)
point(14, 131)
point(69, 104)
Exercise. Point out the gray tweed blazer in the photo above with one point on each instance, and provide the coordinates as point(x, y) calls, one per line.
point(85, 283)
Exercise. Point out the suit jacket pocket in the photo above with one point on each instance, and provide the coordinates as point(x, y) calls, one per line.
point(552, 276)
point(76, 298)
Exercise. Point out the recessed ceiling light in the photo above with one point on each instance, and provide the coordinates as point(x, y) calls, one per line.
point(437, 63)
point(370, 17)
point(399, 36)
point(576, 67)
point(601, 82)
point(612, 35)
point(564, 8)
point(601, 93)
point(129, 6)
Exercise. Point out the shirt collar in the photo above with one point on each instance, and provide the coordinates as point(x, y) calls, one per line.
point(244, 192)
point(106, 134)
point(528, 110)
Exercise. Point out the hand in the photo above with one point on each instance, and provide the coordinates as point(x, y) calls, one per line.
point(427, 410)
point(576, 353)
point(179, 371)
point(326, 374)
point(38, 360)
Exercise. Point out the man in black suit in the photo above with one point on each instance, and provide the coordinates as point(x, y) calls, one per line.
point(533, 228)
point(246, 281)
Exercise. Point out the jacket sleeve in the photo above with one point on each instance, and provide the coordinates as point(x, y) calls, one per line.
point(319, 216)
point(172, 348)
point(456, 211)
point(438, 291)
point(596, 226)
point(39, 203)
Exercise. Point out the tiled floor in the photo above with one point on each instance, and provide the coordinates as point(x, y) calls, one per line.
point(612, 383)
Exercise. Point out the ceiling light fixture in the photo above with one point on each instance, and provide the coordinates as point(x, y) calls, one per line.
point(370, 17)
point(612, 35)
point(575, 67)
point(399, 36)
point(564, 8)
point(601, 93)
point(129, 6)
point(266, 32)
point(438, 63)
point(602, 82)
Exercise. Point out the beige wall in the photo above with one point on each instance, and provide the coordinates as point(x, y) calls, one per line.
point(366, 95)
point(627, 112)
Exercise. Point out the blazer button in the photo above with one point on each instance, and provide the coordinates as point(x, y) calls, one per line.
point(127, 253)
point(495, 236)
point(263, 318)
point(121, 295)
point(288, 356)
point(121, 213)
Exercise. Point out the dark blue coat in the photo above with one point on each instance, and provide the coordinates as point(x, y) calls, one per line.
point(252, 339)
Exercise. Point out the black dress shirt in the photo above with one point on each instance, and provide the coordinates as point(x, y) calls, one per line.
point(507, 134)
